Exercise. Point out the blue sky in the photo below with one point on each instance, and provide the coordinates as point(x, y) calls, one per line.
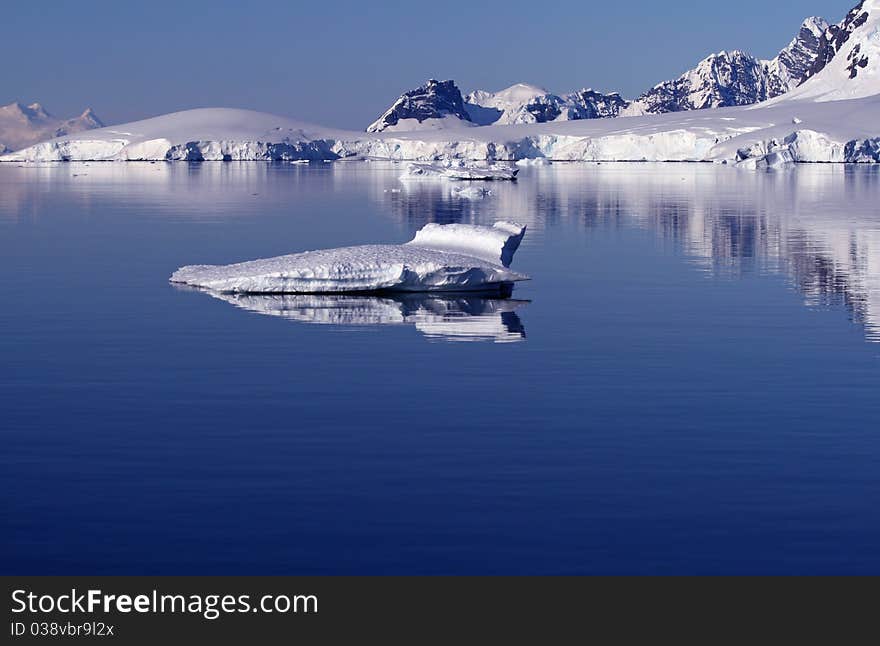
point(342, 63)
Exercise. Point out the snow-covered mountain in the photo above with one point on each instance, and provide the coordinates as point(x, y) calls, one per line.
point(24, 125)
point(720, 80)
point(755, 136)
point(436, 104)
point(837, 35)
point(520, 103)
point(596, 105)
point(848, 62)
point(794, 63)
point(736, 78)
point(524, 103)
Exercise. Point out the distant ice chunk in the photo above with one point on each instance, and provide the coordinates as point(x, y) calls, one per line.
point(533, 161)
point(496, 172)
point(800, 146)
point(455, 257)
point(459, 170)
point(774, 160)
point(422, 171)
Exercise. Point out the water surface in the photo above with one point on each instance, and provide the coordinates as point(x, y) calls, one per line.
point(689, 384)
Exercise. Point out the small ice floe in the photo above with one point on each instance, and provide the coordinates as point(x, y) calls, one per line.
point(780, 158)
point(796, 121)
point(441, 317)
point(452, 257)
point(492, 172)
point(774, 154)
point(533, 161)
point(468, 192)
point(459, 170)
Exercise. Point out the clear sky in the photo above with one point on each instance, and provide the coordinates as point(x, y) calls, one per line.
point(341, 63)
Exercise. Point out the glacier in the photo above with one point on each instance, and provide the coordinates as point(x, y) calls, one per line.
point(205, 134)
point(458, 258)
point(823, 131)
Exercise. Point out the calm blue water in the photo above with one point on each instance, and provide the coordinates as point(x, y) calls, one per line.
point(689, 384)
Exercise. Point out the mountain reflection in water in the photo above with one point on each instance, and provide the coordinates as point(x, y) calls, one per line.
point(816, 224)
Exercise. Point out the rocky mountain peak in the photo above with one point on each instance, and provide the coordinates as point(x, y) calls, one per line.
point(433, 100)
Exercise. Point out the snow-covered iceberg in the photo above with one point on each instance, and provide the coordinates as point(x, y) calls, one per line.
point(460, 170)
point(456, 257)
point(437, 316)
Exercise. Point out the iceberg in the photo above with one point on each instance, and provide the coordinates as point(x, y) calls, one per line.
point(460, 170)
point(453, 257)
point(533, 161)
point(438, 317)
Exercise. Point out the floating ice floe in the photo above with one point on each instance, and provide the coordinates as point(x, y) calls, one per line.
point(442, 317)
point(460, 171)
point(452, 257)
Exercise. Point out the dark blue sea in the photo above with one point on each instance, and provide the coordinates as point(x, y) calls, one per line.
point(689, 384)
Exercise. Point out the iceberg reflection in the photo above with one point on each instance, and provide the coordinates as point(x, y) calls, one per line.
point(440, 317)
